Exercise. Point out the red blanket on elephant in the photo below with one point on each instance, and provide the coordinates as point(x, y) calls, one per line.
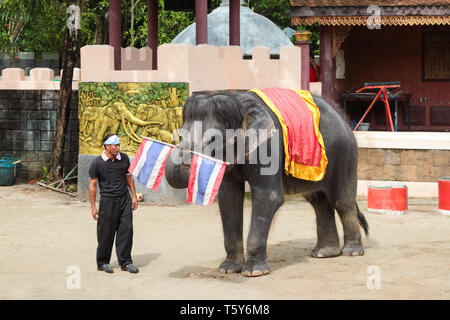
point(305, 156)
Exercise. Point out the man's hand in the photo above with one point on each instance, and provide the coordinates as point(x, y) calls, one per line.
point(94, 213)
point(134, 203)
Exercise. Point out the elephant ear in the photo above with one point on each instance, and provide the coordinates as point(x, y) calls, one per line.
point(258, 118)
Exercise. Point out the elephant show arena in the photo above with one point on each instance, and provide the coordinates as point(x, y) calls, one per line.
point(48, 239)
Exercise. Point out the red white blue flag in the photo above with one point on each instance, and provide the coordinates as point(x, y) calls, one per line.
point(204, 179)
point(149, 164)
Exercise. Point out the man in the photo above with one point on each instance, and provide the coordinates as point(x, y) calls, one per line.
point(115, 215)
point(314, 69)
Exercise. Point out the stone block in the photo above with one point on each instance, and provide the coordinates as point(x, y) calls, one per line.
point(44, 125)
point(14, 115)
point(4, 114)
point(49, 94)
point(19, 135)
point(49, 105)
point(6, 145)
point(4, 104)
point(48, 135)
point(13, 124)
point(46, 145)
point(376, 156)
point(407, 173)
point(32, 124)
point(32, 156)
point(13, 74)
point(24, 94)
point(23, 120)
point(28, 145)
point(441, 158)
point(44, 156)
point(41, 74)
point(27, 104)
point(5, 94)
point(35, 166)
point(4, 124)
point(53, 116)
point(17, 145)
point(34, 115)
point(418, 157)
point(392, 157)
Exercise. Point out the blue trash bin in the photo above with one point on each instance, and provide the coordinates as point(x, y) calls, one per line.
point(8, 170)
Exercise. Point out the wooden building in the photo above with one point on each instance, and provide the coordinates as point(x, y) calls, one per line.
point(377, 40)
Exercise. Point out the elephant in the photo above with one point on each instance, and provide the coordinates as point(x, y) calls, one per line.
point(112, 115)
point(336, 191)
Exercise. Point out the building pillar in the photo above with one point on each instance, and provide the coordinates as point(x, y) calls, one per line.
point(326, 61)
point(152, 13)
point(303, 40)
point(201, 23)
point(115, 30)
point(235, 23)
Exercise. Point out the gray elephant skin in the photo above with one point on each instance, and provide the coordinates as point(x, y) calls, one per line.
point(336, 191)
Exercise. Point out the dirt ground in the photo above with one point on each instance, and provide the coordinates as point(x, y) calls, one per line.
point(45, 236)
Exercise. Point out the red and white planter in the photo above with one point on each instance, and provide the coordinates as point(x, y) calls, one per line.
point(444, 195)
point(387, 198)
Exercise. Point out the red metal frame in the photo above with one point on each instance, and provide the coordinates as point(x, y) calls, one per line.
point(382, 90)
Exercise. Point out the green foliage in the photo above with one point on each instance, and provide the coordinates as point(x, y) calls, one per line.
point(45, 174)
point(276, 11)
point(42, 23)
point(16, 16)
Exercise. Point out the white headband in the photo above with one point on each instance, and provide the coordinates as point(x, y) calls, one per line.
point(112, 140)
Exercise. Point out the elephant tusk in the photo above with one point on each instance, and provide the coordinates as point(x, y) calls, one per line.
point(128, 134)
point(132, 132)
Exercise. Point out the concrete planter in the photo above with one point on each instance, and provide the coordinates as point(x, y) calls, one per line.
point(4, 56)
point(50, 56)
point(26, 56)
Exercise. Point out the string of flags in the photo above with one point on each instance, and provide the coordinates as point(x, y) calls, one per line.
point(148, 166)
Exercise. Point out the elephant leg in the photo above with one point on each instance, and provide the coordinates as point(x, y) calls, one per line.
point(327, 236)
point(348, 213)
point(231, 203)
point(266, 199)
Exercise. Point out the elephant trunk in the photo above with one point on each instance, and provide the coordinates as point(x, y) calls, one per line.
point(178, 167)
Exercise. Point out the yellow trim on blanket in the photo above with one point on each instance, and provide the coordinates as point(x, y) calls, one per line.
point(299, 170)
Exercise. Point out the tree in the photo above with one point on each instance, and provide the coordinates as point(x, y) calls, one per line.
point(70, 54)
point(15, 15)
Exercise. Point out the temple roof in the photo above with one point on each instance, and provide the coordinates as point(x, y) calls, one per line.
point(256, 30)
point(366, 3)
point(357, 12)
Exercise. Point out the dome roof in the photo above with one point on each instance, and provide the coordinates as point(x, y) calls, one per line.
point(256, 30)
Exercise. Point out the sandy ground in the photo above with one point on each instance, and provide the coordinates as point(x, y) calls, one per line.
point(45, 236)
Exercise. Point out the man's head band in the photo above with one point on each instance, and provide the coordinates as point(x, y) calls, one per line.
point(112, 140)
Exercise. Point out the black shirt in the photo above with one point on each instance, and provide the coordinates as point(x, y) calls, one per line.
point(111, 175)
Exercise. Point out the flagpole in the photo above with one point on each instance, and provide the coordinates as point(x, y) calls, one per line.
point(197, 153)
point(165, 143)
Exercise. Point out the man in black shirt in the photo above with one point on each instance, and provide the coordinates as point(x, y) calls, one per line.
point(110, 170)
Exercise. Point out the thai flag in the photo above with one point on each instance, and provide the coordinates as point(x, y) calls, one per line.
point(204, 179)
point(149, 163)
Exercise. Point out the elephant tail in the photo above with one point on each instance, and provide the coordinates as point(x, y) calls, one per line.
point(363, 222)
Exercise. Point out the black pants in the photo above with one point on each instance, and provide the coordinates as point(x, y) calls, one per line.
point(115, 216)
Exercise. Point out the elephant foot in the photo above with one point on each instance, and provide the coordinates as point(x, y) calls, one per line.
point(325, 252)
point(230, 266)
point(353, 248)
point(255, 269)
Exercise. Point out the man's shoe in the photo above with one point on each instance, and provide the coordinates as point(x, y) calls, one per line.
point(130, 268)
point(105, 267)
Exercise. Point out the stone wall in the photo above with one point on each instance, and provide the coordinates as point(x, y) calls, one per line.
point(403, 165)
point(27, 129)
